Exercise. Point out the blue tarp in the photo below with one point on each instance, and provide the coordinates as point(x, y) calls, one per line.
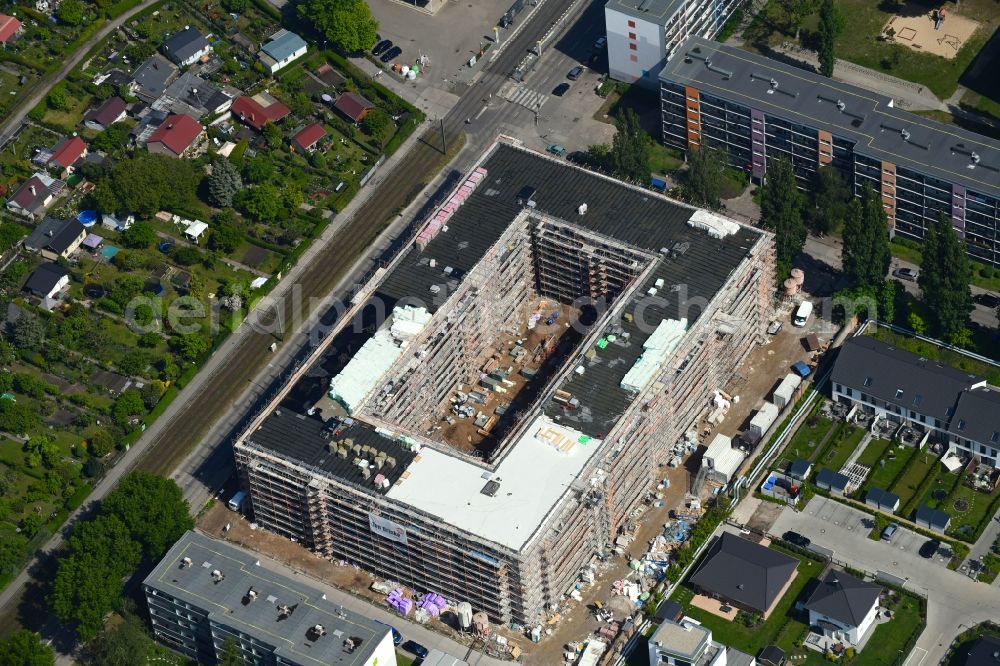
point(658, 184)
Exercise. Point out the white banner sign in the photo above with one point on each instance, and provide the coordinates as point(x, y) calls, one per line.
point(387, 528)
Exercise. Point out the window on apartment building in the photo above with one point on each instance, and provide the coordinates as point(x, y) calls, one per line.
point(633, 47)
point(634, 58)
point(631, 35)
point(631, 24)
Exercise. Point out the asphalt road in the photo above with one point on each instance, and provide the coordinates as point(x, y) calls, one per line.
point(42, 88)
point(954, 601)
point(228, 390)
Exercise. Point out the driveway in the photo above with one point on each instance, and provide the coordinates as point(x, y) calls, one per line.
point(953, 601)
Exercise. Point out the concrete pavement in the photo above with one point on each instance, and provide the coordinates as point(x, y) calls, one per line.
point(954, 602)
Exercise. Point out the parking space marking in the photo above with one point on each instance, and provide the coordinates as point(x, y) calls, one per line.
point(916, 657)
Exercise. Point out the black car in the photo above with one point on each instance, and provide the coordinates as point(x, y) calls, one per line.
point(382, 47)
point(930, 548)
point(796, 539)
point(391, 54)
point(575, 73)
point(561, 89)
point(988, 300)
point(415, 648)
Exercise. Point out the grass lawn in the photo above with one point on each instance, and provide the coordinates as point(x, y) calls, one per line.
point(841, 446)
point(921, 464)
point(874, 452)
point(889, 639)
point(809, 437)
point(663, 159)
point(403, 659)
point(744, 638)
point(936, 495)
point(886, 469)
point(966, 524)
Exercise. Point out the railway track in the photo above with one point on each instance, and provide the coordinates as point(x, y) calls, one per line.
point(398, 188)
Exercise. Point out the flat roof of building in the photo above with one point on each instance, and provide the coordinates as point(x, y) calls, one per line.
point(879, 130)
point(685, 639)
point(632, 215)
point(228, 603)
point(656, 11)
point(507, 505)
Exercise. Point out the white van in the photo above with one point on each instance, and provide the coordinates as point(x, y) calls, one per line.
point(236, 501)
point(801, 317)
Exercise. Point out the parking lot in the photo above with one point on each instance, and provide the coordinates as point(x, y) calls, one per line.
point(845, 530)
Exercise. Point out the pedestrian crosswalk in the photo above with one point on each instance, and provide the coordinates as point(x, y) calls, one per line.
point(526, 97)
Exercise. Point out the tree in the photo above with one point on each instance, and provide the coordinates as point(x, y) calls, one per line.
point(100, 443)
point(944, 280)
point(630, 149)
point(223, 184)
point(152, 508)
point(831, 195)
point(121, 645)
point(705, 178)
point(28, 332)
point(231, 654)
point(258, 169)
point(71, 12)
point(151, 392)
point(916, 323)
point(25, 648)
point(88, 584)
point(112, 139)
point(128, 405)
point(226, 234)
point(347, 24)
point(865, 254)
point(58, 100)
point(147, 183)
point(272, 134)
point(191, 346)
point(139, 236)
point(261, 202)
point(781, 206)
point(18, 417)
point(831, 24)
point(378, 125)
point(235, 6)
point(796, 12)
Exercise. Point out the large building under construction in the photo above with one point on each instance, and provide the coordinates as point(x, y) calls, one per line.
point(496, 402)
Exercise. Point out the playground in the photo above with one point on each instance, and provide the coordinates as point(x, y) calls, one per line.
point(940, 31)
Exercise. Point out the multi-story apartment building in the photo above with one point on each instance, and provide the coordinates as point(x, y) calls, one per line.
point(758, 109)
point(644, 34)
point(206, 597)
point(952, 406)
point(552, 334)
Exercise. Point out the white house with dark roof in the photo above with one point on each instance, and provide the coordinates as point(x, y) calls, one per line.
point(956, 407)
point(843, 607)
point(689, 643)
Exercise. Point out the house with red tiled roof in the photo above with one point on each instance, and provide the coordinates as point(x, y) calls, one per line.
point(32, 197)
point(67, 153)
point(175, 136)
point(354, 107)
point(9, 26)
point(251, 111)
point(305, 140)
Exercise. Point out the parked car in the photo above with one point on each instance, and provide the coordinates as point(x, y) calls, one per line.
point(987, 300)
point(397, 637)
point(575, 73)
point(774, 328)
point(796, 539)
point(382, 47)
point(557, 149)
point(391, 54)
point(601, 43)
point(906, 274)
point(889, 531)
point(561, 89)
point(930, 548)
point(415, 648)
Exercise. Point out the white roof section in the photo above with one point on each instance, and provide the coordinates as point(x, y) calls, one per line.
point(539, 469)
point(716, 225)
point(765, 416)
point(365, 370)
point(722, 457)
point(952, 462)
point(592, 654)
point(788, 386)
point(196, 229)
point(657, 348)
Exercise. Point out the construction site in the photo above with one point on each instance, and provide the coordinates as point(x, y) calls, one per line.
point(521, 373)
